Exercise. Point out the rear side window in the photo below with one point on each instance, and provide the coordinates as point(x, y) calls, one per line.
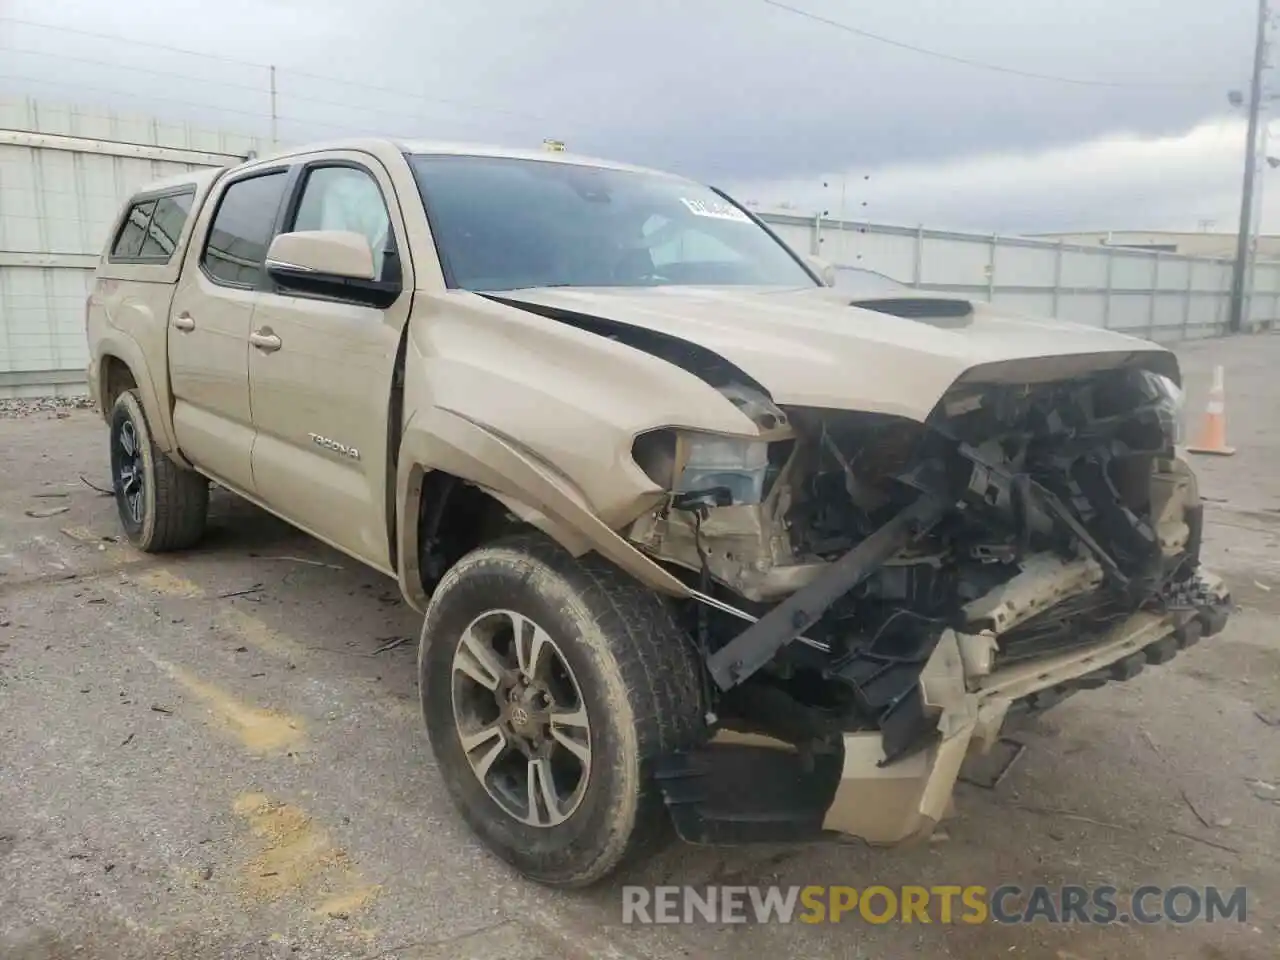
point(133, 232)
point(151, 229)
point(167, 221)
point(242, 229)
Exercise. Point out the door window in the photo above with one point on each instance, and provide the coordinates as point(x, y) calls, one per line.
point(242, 229)
point(346, 198)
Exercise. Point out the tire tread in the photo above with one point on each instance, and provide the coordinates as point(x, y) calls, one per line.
point(657, 667)
point(181, 495)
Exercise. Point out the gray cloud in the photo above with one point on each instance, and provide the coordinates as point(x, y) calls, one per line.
point(725, 90)
point(1111, 183)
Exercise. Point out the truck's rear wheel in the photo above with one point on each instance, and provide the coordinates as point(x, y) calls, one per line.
point(162, 505)
point(549, 685)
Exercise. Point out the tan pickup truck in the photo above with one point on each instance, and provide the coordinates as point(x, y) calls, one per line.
point(701, 537)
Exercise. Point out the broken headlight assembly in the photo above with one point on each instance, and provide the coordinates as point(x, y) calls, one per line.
point(713, 468)
point(1170, 401)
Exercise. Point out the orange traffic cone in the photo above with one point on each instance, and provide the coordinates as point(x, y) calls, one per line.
point(1213, 430)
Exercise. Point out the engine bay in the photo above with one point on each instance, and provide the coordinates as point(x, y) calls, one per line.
point(831, 556)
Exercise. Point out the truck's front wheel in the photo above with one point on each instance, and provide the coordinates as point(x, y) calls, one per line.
point(549, 685)
point(162, 505)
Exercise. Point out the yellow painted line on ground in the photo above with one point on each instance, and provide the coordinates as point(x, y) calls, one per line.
point(242, 626)
point(169, 584)
point(82, 534)
point(117, 546)
point(259, 731)
point(254, 633)
point(296, 858)
point(346, 903)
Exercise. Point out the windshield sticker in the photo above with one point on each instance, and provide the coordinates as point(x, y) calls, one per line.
point(717, 211)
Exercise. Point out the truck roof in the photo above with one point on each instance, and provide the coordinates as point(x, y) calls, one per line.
point(378, 145)
point(549, 156)
point(196, 178)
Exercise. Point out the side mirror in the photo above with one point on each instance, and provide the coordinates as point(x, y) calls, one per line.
point(331, 253)
point(334, 264)
point(825, 271)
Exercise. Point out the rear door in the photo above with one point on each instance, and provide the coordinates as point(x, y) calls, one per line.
point(321, 368)
point(210, 321)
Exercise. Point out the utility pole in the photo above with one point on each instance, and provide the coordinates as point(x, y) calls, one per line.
point(275, 117)
point(1255, 235)
point(1235, 317)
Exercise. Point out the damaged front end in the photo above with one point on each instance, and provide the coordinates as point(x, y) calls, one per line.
point(874, 595)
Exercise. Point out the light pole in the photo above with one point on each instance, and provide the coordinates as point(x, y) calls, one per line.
point(1239, 268)
point(1258, 187)
point(1255, 239)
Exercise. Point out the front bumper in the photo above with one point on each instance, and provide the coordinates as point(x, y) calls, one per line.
point(742, 788)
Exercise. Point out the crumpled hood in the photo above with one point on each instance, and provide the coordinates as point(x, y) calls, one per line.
point(811, 348)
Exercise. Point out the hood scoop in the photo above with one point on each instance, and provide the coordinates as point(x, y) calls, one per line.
point(935, 311)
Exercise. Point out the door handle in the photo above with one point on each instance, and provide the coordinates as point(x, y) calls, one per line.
point(184, 322)
point(265, 340)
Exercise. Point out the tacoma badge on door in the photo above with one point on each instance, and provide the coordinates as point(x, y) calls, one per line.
point(335, 446)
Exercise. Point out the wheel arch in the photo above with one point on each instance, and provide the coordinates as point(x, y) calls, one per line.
point(442, 450)
point(120, 359)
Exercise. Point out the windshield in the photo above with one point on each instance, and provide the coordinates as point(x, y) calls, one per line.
point(504, 224)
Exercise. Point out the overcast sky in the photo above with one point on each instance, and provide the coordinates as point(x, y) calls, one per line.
point(737, 92)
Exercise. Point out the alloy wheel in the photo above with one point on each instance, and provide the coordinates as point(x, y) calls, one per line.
point(521, 718)
point(129, 470)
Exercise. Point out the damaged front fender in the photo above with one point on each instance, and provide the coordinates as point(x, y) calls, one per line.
point(444, 440)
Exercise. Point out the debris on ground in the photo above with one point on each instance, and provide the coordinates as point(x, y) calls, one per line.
point(313, 563)
point(104, 491)
point(1068, 815)
point(391, 644)
point(14, 408)
point(1182, 792)
point(46, 512)
point(1192, 807)
point(247, 592)
point(1208, 843)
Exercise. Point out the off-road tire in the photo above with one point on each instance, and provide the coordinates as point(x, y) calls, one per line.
point(639, 684)
point(174, 502)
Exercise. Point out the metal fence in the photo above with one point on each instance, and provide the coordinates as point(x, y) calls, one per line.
point(65, 172)
point(1160, 296)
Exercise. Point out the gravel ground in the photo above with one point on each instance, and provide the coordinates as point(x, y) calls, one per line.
point(206, 755)
point(13, 408)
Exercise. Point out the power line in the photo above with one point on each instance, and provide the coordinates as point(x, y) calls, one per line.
point(254, 88)
point(188, 103)
point(980, 64)
point(281, 69)
point(290, 71)
point(141, 43)
point(261, 90)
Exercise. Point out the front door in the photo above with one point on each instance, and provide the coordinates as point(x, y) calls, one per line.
point(320, 368)
point(209, 325)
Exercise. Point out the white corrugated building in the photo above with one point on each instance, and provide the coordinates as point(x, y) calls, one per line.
point(64, 174)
